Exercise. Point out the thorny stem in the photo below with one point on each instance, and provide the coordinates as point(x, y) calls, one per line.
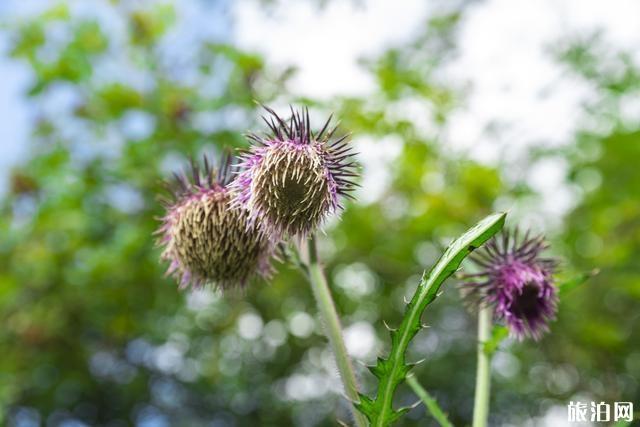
point(483, 374)
point(333, 329)
point(432, 406)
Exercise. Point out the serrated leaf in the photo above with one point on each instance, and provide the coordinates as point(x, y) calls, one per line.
point(393, 370)
point(398, 413)
point(365, 406)
point(379, 369)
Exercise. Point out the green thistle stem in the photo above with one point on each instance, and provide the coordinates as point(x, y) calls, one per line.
point(391, 372)
point(483, 374)
point(333, 329)
point(432, 406)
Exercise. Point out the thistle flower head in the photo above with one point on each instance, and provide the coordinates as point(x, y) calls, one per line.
point(292, 179)
point(517, 281)
point(206, 238)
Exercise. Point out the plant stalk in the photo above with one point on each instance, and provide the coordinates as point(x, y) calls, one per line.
point(483, 374)
point(333, 330)
point(432, 406)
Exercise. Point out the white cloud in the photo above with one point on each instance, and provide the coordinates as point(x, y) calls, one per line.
point(325, 44)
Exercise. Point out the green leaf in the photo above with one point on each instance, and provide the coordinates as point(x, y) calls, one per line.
point(393, 370)
point(498, 333)
point(148, 26)
point(58, 12)
point(576, 281)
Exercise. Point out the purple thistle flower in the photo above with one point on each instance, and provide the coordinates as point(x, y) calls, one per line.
point(206, 238)
point(517, 281)
point(292, 179)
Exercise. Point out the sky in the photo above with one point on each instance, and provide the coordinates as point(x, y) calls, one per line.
point(504, 59)
point(505, 55)
point(14, 124)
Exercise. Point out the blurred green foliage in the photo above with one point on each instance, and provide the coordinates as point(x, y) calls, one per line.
point(93, 332)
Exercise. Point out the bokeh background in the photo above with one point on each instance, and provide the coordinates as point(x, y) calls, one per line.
point(458, 109)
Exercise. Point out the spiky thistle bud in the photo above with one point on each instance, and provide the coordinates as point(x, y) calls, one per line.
point(292, 179)
point(517, 281)
point(208, 239)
